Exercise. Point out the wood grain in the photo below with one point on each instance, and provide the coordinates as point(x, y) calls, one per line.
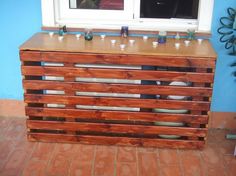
point(118, 88)
point(115, 128)
point(118, 74)
point(194, 64)
point(116, 115)
point(117, 102)
point(127, 141)
point(43, 42)
point(122, 59)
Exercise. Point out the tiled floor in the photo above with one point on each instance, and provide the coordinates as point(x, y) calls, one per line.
point(19, 157)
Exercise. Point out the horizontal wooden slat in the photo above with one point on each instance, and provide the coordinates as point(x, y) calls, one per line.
point(119, 102)
point(117, 88)
point(115, 128)
point(118, 59)
point(105, 140)
point(118, 74)
point(113, 115)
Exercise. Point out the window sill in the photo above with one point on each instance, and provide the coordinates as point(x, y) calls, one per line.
point(131, 32)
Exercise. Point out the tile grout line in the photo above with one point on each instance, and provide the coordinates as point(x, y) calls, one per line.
point(158, 161)
point(7, 128)
point(10, 153)
point(115, 161)
point(13, 143)
point(205, 170)
point(50, 158)
point(28, 159)
point(93, 161)
point(180, 163)
point(70, 161)
point(137, 161)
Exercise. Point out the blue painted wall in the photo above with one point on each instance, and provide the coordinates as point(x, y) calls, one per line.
point(21, 19)
point(224, 93)
point(18, 21)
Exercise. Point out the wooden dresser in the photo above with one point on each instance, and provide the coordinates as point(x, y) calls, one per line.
point(95, 93)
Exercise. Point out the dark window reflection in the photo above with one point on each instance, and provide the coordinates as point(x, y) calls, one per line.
point(97, 4)
point(187, 9)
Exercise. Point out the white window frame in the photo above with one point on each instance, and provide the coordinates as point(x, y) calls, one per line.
point(57, 12)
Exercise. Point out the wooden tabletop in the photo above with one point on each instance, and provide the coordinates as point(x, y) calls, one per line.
point(43, 42)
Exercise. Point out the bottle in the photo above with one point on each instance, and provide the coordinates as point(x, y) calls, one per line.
point(162, 37)
point(88, 34)
point(177, 37)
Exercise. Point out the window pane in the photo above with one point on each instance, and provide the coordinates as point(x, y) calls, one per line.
point(97, 4)
point(187, 9)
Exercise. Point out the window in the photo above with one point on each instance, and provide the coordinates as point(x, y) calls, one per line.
point(171, 15)
point(185, 9)
point(97, 4)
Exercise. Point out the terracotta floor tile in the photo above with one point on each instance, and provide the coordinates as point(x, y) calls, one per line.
point(227, 147)
point(86, 152)
point(126, 169)
point(61, 159)
point(81, 168)
point(105, 161)
point(216, 135)
point(17, 160)
point(35, 168)
point(147, 149)
point(191, 163)
point(211, 156)
point(231, 165)
point(20, 157)
point(16, 129)
point(217, 171)
point(170, 170)
point(147, 164)
point(126, 154)
point(4, 125)
point(58, 165)
point(6, 147)
point(168, 156)
point(43, 151)
point(82, 162)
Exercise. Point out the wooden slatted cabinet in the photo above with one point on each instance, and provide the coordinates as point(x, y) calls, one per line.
point(92, 91)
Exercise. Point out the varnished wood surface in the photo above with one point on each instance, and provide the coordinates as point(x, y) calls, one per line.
point(115, 115)
point(119, 74)
point(117, 102)
point(106, 140)
point(115, 128)
point(123, 59)
point(117, 88)
point(43, 42)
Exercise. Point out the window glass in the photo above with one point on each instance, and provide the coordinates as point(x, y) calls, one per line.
point(187, 9)
point(97, 4)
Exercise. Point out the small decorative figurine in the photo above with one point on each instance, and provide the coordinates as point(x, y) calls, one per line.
point(103, 36)
point(190, 34)
point(177, 37)
point(124, 31)
point(186, 42)
point(62, 30)
point(162, 37)
point(199, 40)
point(154, 44)
point(88, 35)
point(145, 37)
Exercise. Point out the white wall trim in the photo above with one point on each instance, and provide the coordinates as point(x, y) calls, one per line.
point(55, 12)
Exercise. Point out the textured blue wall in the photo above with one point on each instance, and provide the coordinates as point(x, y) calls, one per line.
point(18, 21)
point(21, 19)
point(224, 94)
